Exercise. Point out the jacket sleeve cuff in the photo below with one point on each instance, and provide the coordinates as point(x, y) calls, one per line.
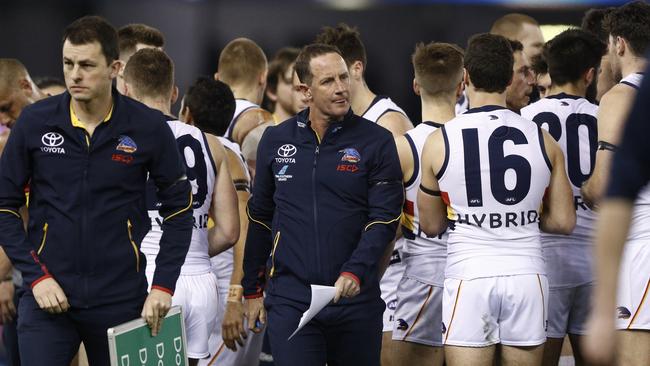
point(163, 289)
point(38, 280)
point(352, 276)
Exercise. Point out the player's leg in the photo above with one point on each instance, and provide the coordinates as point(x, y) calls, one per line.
point(93, 323)
point(515, 356)
point(470, 313)
point(353, 334)
point(417, 331)
point(634, 347)
point(523, 319)
point(45, 339)
point(307, 347)
point(559, 308)
point(388, 286)
point(475, 356)
point(577, 318)
point(633, 299)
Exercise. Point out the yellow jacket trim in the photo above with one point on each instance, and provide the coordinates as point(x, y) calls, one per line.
point(135, 247)
point(11, 212)
point(275, 246)
point(40, 248)
point(252, 219)
point(181, 211)
point(382, 222)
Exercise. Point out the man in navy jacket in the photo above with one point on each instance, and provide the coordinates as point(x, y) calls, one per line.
point(326, 203)
point(86, 155)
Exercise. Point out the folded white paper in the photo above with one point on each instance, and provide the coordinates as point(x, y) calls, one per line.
point(320, 297)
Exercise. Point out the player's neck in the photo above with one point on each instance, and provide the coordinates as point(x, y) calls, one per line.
point(160, 104)
point(437, 110)
point(360, 97)
point(633, 65)
point(578, 90)
point(248, 93)
point(479, 99)
point(281, 114)
point(92, 112)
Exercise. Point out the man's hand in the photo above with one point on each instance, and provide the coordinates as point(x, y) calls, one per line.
point(7, 309)
point(346, 286)
point(254, 312)
point(232, 329)
point(50, 296)
point(155, 309)
point(599, 342)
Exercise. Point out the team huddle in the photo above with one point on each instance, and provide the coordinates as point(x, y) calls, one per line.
point(466, 240)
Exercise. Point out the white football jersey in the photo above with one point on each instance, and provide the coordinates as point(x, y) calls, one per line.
point(493, 182)
point(431, 252)
point(223, 262)
point(241, 106)
point(640, 226)
point(571, 120)
point(201, 173)
point(380, 106)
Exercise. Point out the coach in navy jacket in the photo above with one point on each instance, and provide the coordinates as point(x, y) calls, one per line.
point(325, 206)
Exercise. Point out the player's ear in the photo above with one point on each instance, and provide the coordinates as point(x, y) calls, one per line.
point(356, 69)
point(621, 45)
point(216, 75)
point(186, 115)
point(590, 75)
point(416, 87)
point(174, 94)
point(116, 67)
point(465, 77)
point(262, 79)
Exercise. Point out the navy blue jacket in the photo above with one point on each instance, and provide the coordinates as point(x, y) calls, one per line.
point(321, 209)
point(87, 213)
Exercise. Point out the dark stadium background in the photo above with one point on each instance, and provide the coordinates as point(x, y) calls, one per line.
point(196, 30)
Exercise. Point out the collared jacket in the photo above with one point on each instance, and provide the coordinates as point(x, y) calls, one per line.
point(321, 207)
point(87, 208)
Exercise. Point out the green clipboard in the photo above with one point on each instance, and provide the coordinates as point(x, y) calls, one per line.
point(131, 343)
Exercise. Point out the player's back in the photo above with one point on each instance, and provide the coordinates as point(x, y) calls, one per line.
point(571, 121)
point(431, 252)
point(493, 182)
point(201, 173)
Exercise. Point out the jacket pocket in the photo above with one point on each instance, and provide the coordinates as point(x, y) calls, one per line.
point(276, 240)
point(43, 240)
point(129, 228)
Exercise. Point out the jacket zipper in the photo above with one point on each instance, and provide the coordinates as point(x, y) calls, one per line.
point(135, 247)
point(275, 246)
point(315, 203)
point(40, 248)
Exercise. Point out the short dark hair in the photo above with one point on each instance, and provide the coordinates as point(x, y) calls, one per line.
point(212, 104)
point(438, 67)
point(132, 34)
point(279, 66)
point(91, 29)
point(489, 62)
point(572, 53)
point(631, 22)
point(538, 64)
point(307, 54)
point(48, 81)
point(150, 72)
point(516, 45)
point(347, 40)
point(593, 22)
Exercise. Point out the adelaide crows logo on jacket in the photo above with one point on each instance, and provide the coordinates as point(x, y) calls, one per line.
point(126, 144)
point(350, 156)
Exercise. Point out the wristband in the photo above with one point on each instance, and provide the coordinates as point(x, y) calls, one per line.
point(7, 279)
point(604, 145)
point(235, 293)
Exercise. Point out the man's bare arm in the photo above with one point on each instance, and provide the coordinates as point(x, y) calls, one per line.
point(559, 213)
point(395, 122)
point(248, 121)
point(433, 211)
